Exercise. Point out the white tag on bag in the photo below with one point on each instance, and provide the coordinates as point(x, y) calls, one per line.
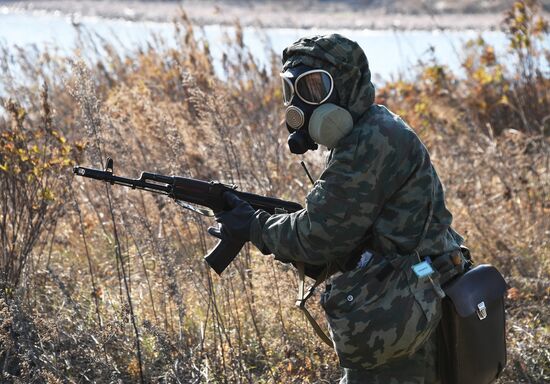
point(423, 269)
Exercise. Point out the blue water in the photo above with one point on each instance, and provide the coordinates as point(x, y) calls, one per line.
point(390, 52)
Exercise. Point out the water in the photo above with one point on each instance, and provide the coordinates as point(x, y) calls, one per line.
point(389, 51)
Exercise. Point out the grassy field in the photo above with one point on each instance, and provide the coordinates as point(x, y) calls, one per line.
point(101, 284)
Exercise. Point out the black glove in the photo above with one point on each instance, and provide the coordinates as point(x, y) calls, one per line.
point(234, 224)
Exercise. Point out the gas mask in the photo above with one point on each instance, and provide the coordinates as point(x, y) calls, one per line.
point(312, 116)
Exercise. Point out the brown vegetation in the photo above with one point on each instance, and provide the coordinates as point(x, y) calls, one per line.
point(102, 284)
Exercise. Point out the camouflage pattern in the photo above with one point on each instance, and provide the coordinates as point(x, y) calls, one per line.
point(391, 310)
point(377, 183)
point(375, 194)
point(420, 368)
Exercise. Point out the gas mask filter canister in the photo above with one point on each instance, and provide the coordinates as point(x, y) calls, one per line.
point(329, 123)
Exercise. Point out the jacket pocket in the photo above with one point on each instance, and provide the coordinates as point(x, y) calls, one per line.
point(375, 315)
point(359, 286)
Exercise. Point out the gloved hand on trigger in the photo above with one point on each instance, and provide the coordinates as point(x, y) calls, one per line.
point(234, 224)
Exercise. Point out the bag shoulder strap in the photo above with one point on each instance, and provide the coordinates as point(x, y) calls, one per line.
point(399, 261)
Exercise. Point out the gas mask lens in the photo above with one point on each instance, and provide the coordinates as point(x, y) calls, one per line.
point(288, 90)
point(314, 87)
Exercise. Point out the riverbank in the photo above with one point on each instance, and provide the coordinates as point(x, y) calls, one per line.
point(284, 14)
point(390, 51)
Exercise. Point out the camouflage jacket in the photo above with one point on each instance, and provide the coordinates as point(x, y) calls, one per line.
point(374, 193)
point(377, 186)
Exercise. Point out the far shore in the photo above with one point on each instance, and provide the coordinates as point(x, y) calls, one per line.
point(266, 14)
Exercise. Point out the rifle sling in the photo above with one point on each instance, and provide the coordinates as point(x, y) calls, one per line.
point(304, 295)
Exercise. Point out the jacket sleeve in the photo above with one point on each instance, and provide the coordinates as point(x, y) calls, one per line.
point(361, 175)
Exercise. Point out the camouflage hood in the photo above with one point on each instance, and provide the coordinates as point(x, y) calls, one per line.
point(344, 60)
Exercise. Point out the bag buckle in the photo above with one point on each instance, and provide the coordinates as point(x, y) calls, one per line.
point(481, 311)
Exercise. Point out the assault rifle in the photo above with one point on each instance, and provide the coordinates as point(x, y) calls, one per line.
point(186, 191)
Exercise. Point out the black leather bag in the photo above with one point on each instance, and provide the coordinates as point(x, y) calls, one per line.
point(472, 330)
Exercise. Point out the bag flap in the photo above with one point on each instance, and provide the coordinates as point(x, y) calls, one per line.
point(483, 283)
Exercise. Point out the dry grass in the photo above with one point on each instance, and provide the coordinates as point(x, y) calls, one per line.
point(113, 287)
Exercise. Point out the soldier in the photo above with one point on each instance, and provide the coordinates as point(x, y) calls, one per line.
point(376, 215)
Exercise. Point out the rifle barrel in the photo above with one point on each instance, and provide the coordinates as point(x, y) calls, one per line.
point(161, 186)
